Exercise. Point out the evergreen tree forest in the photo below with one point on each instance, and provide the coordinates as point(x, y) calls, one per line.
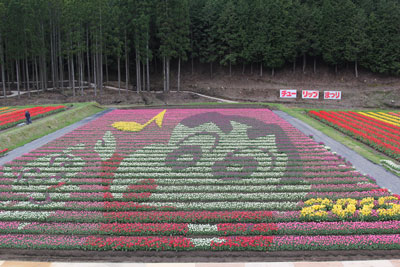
point(70, 43)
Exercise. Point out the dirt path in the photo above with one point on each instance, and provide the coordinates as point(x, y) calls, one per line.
point(188, 92)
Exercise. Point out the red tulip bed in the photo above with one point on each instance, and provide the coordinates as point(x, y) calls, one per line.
point(377, 129)
point(192, 179)
point(9, 117)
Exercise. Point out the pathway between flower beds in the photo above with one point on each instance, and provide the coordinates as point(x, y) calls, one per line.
point(199, 180)
point(381, 175)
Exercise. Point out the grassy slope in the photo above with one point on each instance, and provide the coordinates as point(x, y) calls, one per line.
point(19, 136)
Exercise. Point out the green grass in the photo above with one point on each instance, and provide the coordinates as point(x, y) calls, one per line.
point(360, 148)
point(19, 136)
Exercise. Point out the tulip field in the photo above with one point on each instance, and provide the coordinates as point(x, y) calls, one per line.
point(10, 116)
point(380, 130)
point(193, 180)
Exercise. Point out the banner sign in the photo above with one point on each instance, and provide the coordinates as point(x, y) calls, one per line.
point(288, 94)
point(310, 94)
point(332, 95)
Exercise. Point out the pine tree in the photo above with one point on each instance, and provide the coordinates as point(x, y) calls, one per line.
point(228, 29)
point(383, 33)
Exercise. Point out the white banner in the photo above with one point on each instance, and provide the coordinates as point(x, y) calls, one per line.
point(332, 95)
point(288, 93)
point(309, 94)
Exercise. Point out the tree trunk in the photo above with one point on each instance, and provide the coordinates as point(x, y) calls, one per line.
point(23, 78)
point(143, 77)
point(244, 68)
point(52, 53)
point(230, 69)
point(164, 75)
point(138, 82)
point(126, 65)
point(315, 65)
point(37, 76)
point(101, 74)
point(273, 72)
point(8, 77)
point(69, 72)
point(192, 65)
point(73, 75)
point(27, 76)
point(155, 65)
point(101, 54)
point(294, 65)
point(251, 68)
point(43, 73)
point(168, 83)
point(211, 70)
point(261, 69)
point(96, 65)
point(106, 68)
point(304, 62)
point(44, 63)
point(87, 54)
point(60, 60)
point(148, 68)
point(356, 68)
point(17, 73)
point(95, 73)
point(335, 68)
point(3, 79)
point(179, 74)
point(56, 71)
point(80, 72)
point(119, 75)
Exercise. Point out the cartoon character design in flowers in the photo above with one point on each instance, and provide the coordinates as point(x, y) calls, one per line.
point(54, 169)
point(208, 147)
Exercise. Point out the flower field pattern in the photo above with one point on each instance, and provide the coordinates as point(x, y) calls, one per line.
point(10, 116)
point(379, 130)
point(192, 179)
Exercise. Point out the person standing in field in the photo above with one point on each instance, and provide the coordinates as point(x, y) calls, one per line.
point(28, 117)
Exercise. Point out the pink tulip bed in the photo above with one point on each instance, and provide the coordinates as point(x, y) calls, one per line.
point(192, 179)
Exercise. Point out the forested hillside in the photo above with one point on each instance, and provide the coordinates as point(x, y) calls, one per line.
point(88, 40)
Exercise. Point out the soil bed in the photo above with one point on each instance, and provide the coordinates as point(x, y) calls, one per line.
point(367, 91)
point(196, 256)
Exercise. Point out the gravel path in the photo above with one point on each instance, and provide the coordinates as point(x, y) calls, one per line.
point(383, 178)
point(48, 138)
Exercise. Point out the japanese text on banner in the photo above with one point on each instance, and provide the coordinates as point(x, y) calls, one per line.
point(310, 94)
point(332, 95)
point(288, 93)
